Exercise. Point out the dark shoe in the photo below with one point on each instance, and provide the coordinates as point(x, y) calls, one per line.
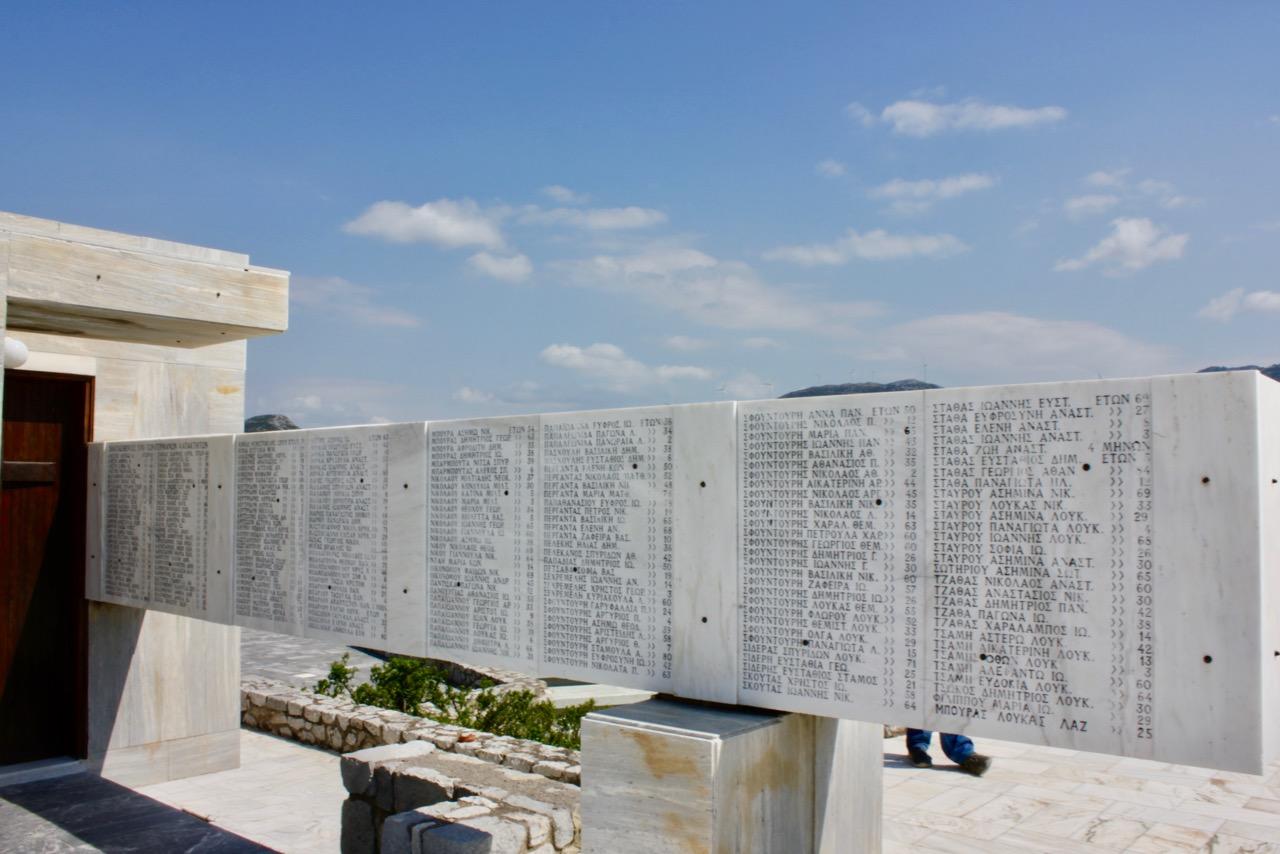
point(975, 764)
point(919, 758)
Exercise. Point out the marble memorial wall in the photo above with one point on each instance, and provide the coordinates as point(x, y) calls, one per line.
point(1076, 564)
point(164, 532)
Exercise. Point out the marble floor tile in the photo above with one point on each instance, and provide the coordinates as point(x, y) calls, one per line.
point(1162, 838)
point(1176, 817)
point(1246, 830)
point(1263, 804)
point(1007, 809)
point(1225, 843)
point(960, 843)
point(1112, 833)
point(958, 801)
point(1063, 820)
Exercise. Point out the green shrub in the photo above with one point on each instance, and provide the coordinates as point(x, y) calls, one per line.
point(419, 687)
point(339, 680)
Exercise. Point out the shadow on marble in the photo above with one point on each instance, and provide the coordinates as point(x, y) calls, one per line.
point(84, 812)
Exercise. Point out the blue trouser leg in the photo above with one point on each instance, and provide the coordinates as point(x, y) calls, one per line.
point(919, 739)
point(957, 747)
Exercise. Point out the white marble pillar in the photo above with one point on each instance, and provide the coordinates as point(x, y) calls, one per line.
point(666, 775)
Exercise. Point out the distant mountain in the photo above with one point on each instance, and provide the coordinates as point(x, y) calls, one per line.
point(1273, 372)
point(267, 423)
point(863, 388)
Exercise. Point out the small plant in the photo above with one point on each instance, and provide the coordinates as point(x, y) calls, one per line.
point(339, 679)
point(422, 688)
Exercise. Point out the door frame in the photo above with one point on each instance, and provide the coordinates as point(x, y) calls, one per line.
point(75, 475)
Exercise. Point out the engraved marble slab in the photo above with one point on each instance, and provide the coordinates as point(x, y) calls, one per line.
point(270, 531)
point(704, 607)
point(607, 546)
point(1039, 613)
point(1209, 572)
point(95, 504)
point(329, 534)
point(831, 532)
point(483, 541)
point(166, 534)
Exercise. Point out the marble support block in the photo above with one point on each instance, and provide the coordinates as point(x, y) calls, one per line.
point(669, 776)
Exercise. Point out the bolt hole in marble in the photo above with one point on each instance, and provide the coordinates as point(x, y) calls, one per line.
point(849, 556)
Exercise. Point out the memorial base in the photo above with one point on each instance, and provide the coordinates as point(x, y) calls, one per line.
point(665, 775)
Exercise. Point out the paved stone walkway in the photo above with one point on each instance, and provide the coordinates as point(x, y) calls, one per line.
point(1052, 800)
point(300, 662)
point(285, 795)
point(83, 812)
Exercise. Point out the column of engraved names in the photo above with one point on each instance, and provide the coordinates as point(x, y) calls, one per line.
point(181, 514)
point(830, 569)
point(269, 540)
point(347, 534)
point(1022, 593)
point(127, 571)
point(482, 530)
point(1126, 460)
point(606, 544)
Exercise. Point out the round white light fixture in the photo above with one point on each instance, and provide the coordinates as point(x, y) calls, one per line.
point(15, 353)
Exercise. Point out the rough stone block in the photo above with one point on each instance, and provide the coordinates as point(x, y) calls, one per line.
point(358, 767)
point(277, 703)
point(508, 837)
point(357, 827)
point(539, 826)
point(573, 774)
point(311, 714)
point(295, 708)
point(416, 787)
point(561, 817)
point(489, 754)
point(397, 831)
point(550, 769)
point(521, 761)
point(450, 839)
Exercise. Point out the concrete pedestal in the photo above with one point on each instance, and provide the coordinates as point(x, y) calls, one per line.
point(671, 776)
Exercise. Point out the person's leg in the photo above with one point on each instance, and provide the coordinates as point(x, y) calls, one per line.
point(918, 747)
point(919, 739)
point(958, 748)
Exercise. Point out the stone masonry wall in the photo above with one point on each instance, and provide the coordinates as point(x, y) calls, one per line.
point(342, 725)
point(412, 798)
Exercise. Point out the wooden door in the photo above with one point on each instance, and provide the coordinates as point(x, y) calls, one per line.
point(42, 608)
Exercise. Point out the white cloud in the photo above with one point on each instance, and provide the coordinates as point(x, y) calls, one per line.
point(467, 394)
point(565, 196)
point(860, 114)
point(685, 344)
point(1006, 347)
point(1079, 207)
point(877, 245)
point(336, 295)
point(747, 386)
point(917, 196)
point(445, 222)
point(507, 268)
point(614, 369)
point(1227, 306)
point(1102, 178)
point(762, 343)
point(334, 401)
point(728, 294)
point(830, 168)
point(594, 219)
point(1134, 244)
point(925, 118)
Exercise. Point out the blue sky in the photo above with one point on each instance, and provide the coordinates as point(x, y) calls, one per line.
point(494, 208)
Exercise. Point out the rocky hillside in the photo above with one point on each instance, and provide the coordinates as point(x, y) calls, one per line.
point(860, 388)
